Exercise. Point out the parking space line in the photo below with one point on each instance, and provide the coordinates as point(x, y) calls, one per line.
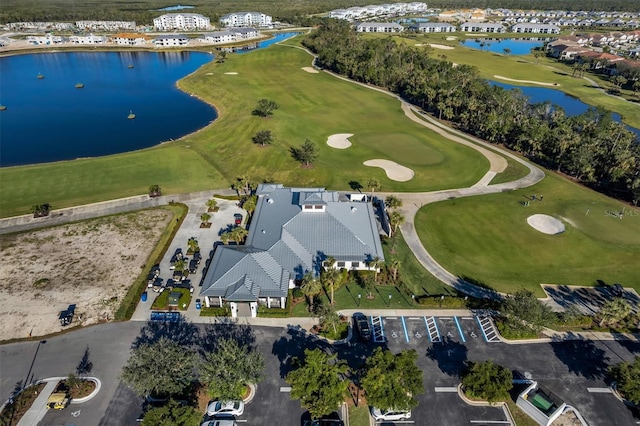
point(404, 327)
point(441, 389)
point(599, 390)
point(482, 329)
point(499, 422)
point(285, 388)
point(459, 329)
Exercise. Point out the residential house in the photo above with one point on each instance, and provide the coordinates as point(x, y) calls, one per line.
point(293, 231)
point(482, 27)
point(598, 60)
point(246, 19)
point(433, 27)
point(87, 39)
point(130, 39)
point(379, 27)
point(219, 37)
point(171, 40)
point(47, 39)
point(105, 25)
point(533, 28)
point(181, 21)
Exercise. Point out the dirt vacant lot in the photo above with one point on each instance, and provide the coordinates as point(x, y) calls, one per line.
point(91, 264)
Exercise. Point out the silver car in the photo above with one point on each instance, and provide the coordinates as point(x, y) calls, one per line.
point(389, 415)
point(227, 408)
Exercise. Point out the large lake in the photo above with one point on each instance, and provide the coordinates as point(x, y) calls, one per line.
point(50, 120)
point(570, 105)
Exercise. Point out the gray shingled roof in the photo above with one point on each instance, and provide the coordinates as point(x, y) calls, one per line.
point(286, 241)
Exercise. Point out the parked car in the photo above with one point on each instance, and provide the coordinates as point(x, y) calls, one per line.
point(177, 255)
point(389, 415)
point(237, 218)
point(58, 401)
point(362, 324)
point(197, 256)
point(232, 408)
point(193, 266)
point(198, 304)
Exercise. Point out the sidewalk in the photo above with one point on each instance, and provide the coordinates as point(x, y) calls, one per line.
point(39, 407)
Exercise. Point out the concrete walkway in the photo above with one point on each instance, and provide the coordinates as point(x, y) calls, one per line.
point(39, 407)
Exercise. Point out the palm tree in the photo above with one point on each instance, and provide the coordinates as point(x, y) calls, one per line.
point(375, 264)
point(373, 184)
point(396, 219)
point(212, 204)
point(205, 218)
point(180, 265)
point(225, 237)
point(155, 191)
point(238, 234)
point(614, 311)
point(395, 265)
point(310, 287)
point(249, 204)
point(330, 276)
point(393, 202)
point(193, 245)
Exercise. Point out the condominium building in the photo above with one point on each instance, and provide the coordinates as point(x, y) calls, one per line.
point(246, 19)
point(181, 21)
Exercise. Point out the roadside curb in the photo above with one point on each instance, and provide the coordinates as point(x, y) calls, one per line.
point(92, 394)
point(501, 404)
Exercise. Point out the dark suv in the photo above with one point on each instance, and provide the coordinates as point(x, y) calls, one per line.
point(362, 324)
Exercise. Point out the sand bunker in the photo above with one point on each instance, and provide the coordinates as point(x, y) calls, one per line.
point(419, 44)
point(393, 170)
point(310, 70)
point(541, 83)
point(209, 73)
point(545, 224)
point(231, 73)
point(477, 35)
point(440, 46)
point(451, 38)
point(339, 141)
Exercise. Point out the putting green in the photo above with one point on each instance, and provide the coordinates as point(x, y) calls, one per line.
point(488, 239)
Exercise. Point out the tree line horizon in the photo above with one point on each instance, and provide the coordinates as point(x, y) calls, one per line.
point(591, 147)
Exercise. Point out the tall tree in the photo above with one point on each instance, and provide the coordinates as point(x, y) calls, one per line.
point(375, 264)
point(523, 309)
point(392, 381)
point(311, 287)
point(487, 380)
point(373, 184)
point(238, 234)
point(212, 204)
point(249, 204)
point(265, 108)
point(160, 368)
point(330, 277)
point(193, 245)
point(392, 202)
point(627, 377)
point(396, 219)
point(172, 414)
point(230, 367)
point(263, 137)
point(204, 218)
point(306, 153)
point(317, 380)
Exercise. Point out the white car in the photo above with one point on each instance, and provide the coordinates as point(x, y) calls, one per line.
point(389, 415)
point(220, 423)
point(231, 408)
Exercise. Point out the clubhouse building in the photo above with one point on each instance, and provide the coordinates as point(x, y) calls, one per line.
point(293, 231)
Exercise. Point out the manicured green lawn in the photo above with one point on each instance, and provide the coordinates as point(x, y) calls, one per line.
point(312, 106)
point(316, 106)
point(521, 67)
point(488, 239)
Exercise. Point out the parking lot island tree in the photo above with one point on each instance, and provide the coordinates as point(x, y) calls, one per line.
point(614, 311)
point(487, 381)
point(523, 310)
point(317, 380)
point(392, 381)
point(161, 368)
point(204, 218)
point(626, 376)
point(229, 368)
point(172, 414)
point(155, 190)
point(212, 205)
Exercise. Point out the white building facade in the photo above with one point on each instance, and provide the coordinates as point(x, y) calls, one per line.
point(246, 19)
point(106, 25)
point(181, 21)
point(379, 27)
point(87, 39)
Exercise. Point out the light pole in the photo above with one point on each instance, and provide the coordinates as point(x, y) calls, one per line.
point(389, 300)
point(359, 297)
point(413, 299)
point(441, 300)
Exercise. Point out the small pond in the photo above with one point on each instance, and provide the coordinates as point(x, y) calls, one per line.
point(518, 46)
